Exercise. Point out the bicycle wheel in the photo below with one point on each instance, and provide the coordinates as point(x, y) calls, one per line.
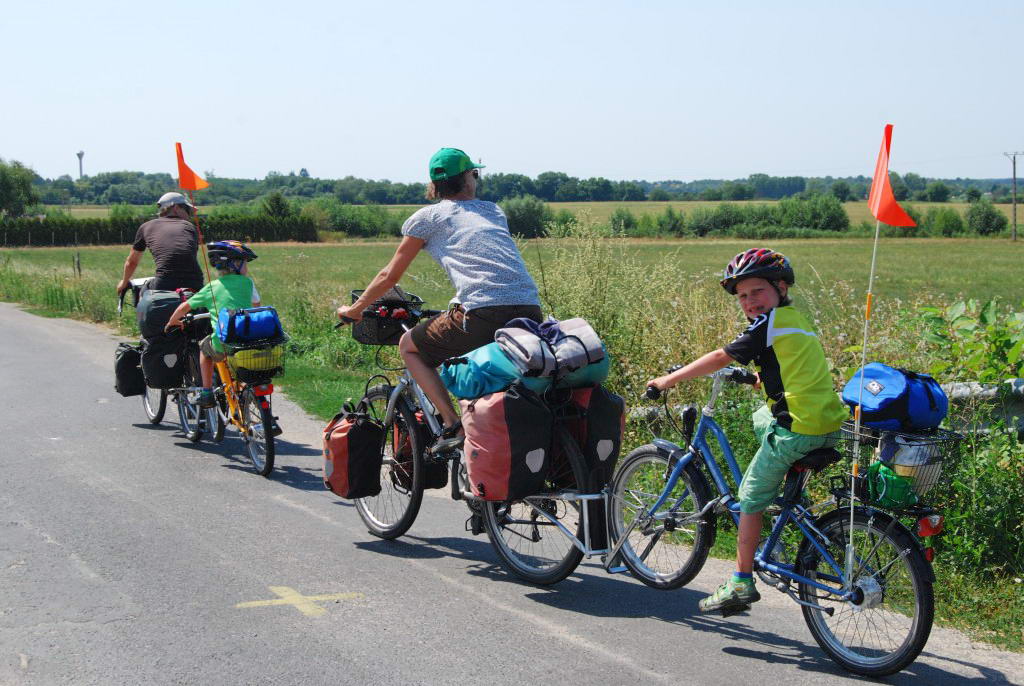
point(154, 402)
point(390, 513)
point(258, 431)
point(529, 545)
point(664, 551)
point(189, 413)
point(884, 628)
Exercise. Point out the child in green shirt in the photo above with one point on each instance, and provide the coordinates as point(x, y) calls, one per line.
point(232, 289)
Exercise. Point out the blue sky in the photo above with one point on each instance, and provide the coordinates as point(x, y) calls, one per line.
point(646, 90)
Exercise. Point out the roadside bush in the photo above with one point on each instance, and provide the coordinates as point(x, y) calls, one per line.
point(671, 222)
point(823, 212)
point(704, 220)
point(943, 221)
point(527, 215)
point(984, 219)
point(622, 221)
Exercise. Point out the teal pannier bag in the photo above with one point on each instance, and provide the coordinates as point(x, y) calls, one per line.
point(485, 370)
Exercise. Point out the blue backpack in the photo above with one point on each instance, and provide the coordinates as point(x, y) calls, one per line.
point(896, 399)
point(248, 324)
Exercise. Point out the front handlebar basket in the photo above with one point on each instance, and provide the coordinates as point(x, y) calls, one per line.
point(385, 330)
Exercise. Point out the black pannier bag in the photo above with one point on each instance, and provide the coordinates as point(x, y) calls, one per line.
point(155, 310)
point(163, 360)
point(128, 378)
point(596, 420)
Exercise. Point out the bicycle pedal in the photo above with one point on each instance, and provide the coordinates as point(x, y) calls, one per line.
point(475, 524)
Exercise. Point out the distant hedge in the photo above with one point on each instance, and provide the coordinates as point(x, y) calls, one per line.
point(65, 231)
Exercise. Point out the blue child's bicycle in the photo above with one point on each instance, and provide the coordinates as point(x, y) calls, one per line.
point(861, 578)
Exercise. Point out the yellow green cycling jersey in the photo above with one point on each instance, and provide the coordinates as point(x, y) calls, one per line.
point(793, 369)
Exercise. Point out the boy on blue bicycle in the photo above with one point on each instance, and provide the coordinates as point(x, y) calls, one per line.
point(802, 412)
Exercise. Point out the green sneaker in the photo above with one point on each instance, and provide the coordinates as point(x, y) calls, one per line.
point(206, 398)
point(731, 596)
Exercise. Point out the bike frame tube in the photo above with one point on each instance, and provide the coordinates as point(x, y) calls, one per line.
point(406, 381)
point(786, 571)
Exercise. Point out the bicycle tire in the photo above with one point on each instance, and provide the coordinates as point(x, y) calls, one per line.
point(190, 415)
point(258, 431)
point(636, 486)
point(515, 527)
point(154, 403)
point(390, 513)
point(898, 598)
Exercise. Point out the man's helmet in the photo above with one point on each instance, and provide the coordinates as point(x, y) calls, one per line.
point(229, 254)
point(168, 199)
point(763, 263)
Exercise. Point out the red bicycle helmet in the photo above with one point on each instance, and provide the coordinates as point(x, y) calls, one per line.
point(763, 263)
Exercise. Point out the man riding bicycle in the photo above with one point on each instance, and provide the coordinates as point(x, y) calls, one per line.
point(174, 241)
point(470, 239)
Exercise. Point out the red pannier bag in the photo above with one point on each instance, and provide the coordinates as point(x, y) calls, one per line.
point(508, 443)
point(353, 455)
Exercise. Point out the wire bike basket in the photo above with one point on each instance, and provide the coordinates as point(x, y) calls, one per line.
point(256, 362)
point(901, 470)
point(384, 330)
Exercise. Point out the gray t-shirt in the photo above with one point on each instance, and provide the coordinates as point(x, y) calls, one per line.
point(471, 242)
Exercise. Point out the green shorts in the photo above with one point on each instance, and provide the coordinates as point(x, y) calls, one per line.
point(780, 448)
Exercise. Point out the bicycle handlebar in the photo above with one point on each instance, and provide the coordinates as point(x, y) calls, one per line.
point(734, 374)
point(396, 312)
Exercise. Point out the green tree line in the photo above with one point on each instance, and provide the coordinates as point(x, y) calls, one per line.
point(138, 188)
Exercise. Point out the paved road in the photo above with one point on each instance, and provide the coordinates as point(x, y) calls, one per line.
point(125, 552)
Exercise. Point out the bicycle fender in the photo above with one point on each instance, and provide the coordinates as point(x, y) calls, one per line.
point(670, 450)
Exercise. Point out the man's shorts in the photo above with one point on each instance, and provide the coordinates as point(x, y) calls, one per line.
point(455, 332)
point(780, 448)
point(206, 348)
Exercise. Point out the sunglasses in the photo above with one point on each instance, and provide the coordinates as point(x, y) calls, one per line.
point(476, 173)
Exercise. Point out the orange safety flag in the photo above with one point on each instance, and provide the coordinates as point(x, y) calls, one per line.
point(188, 179)
point(881, 201)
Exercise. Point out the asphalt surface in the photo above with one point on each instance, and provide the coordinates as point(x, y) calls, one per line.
point(130, 556)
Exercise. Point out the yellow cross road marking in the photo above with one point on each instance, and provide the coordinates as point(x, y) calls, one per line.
point(306, 604)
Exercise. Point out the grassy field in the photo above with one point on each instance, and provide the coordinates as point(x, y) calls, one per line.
point(655, 302)
point(601, 211)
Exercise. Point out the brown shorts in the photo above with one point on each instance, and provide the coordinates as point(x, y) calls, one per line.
point(206, 348)
point(455, 332)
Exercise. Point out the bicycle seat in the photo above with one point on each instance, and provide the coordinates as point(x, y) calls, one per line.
point(817, 459)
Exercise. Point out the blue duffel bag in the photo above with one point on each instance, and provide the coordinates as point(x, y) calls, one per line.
point(485, 370)
point(248, 324)
point(896, 399)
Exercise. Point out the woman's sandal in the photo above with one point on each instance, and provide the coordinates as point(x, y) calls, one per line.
point(450, 439)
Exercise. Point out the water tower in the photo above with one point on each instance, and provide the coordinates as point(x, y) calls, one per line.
point(81, 154)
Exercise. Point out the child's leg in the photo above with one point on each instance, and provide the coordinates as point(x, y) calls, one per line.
point(206, 369)
point(746, 542)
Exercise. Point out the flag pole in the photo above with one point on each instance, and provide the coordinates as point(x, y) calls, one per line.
point(855, 472)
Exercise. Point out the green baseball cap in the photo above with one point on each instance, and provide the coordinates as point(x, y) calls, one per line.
point(448, 163)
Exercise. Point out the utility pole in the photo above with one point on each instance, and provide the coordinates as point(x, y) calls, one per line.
point(81, 154)
point(1013, 160)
